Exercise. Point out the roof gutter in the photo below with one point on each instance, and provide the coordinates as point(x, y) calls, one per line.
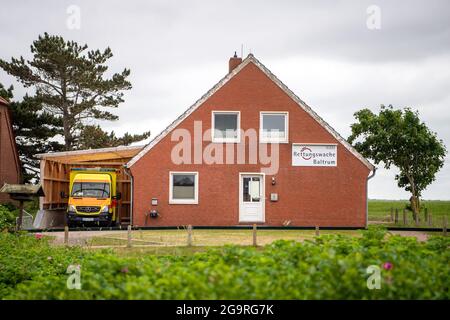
point(367, 194)
point(127, 171)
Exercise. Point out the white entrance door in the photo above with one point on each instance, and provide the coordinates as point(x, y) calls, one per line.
point(251, 197)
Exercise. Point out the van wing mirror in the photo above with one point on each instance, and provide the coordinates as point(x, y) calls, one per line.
point(118, 196)
point(63, 195)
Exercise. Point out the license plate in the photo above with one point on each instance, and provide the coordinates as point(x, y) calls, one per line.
point(88, 219)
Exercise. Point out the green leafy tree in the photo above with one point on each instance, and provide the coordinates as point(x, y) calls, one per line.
point(399, 138)
point(34, 130)
point(70, 82)
point(93, 137)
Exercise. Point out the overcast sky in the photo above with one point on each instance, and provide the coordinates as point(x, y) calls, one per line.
point(323, 50)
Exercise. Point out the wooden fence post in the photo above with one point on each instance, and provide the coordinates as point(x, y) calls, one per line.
point(66, 235)
point(396, 216)
point(189, 235)
point(254, 236)
point(430, 219)
point(405, 218)
point(129, 236)
point(20, 217)
point(317, 231)
point(444, 226)
point(417, 219)
point(426, 215)
point(392, 214)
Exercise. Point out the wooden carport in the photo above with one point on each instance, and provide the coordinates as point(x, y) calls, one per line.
point(55, 169)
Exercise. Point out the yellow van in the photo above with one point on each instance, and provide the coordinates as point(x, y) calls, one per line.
point(92, 197)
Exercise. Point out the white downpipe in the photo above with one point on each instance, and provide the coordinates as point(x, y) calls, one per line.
point(126, 170)
point(367, 195)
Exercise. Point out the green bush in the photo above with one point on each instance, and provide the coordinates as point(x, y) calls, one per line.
point(7, 217)
point(24, 258)
point(329, 267)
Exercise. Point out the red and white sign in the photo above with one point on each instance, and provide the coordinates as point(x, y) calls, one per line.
point(314, 155)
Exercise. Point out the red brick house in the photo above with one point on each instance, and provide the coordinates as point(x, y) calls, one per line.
point(9, 159)
point(300, 171)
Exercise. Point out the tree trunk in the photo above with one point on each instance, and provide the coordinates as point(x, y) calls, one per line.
point(20, 218)
point(67, 135)
point(66, 115)
point(414, 200)
point(415, 205)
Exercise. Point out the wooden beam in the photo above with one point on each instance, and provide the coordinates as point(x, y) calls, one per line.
point(88, 162)
point(55, 179)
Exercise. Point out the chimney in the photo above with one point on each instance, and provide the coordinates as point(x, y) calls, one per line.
point(234, 62)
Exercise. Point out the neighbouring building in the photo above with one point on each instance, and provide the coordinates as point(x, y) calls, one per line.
point(249, 151)
point(10, 170)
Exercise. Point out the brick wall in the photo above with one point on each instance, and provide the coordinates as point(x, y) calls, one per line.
point(9, 168)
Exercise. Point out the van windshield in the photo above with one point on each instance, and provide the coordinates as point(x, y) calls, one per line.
point(90, 189)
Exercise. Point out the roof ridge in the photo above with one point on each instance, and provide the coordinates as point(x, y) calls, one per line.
point(4, 100)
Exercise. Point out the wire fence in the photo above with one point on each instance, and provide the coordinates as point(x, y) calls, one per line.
point(423, 219)
point(189, 236)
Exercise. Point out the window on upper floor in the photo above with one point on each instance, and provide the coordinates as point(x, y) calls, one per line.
point(274, 127)
point(225, 126)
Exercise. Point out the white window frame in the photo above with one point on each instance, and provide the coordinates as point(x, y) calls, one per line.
point(225, 139)
point(263, 139)
point(183, 201)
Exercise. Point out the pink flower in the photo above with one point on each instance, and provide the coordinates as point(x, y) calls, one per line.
point(124, 270)
point(387, 266)
point(38, 235)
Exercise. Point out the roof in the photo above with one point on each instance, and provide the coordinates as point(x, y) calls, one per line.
point(3, 100)
point(25, 189)
point(92, 154)
point(250, 59)
point(93, 177)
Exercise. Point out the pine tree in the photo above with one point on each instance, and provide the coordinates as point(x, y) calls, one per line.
point(93, 137)
point(70, 83)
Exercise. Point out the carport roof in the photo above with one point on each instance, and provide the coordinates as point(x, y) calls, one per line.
point(122, 152)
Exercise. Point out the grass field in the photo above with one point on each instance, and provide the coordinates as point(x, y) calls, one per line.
point(379, 210)
point(208, 237)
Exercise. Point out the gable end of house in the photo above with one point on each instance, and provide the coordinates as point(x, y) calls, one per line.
point(250, 59)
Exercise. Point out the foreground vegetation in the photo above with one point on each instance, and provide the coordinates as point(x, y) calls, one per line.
point(327, 267)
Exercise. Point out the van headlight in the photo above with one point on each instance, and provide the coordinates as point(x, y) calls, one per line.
point(72, 208)
point(105, 209)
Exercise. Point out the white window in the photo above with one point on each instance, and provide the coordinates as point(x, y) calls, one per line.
point(183, 188)
point(226, 126)
point(274, 127)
